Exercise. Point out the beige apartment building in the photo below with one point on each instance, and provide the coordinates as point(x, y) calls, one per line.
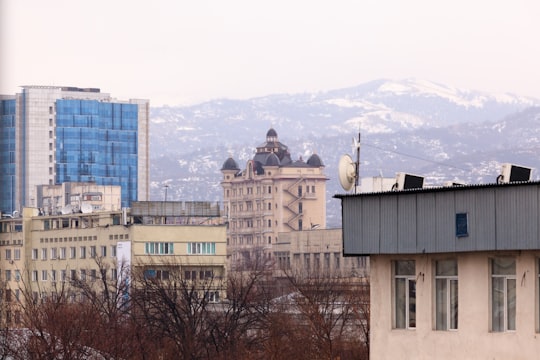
point(39, 253)
point(455, 271)
point(316, 253)
point(273, 194)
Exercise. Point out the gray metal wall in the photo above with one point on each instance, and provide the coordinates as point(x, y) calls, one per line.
point(500, 217)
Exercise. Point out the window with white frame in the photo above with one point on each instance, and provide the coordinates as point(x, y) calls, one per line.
point(503, 294)
point(404, 294)
point(212, 296)
point(43, 254)
point(72, 252)
point(159, 248)
point(34, 275)
point(62, 253)
point(82, 253)
point(16, 254)
point(8, 254)
point(446, 294)
point(201, 248)
point(54, 253)
point(34, 254)
point(43, 275)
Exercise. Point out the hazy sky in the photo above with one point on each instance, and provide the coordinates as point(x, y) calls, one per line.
point(182, 52)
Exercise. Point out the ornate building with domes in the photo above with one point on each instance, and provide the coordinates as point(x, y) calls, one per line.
point(272, 195)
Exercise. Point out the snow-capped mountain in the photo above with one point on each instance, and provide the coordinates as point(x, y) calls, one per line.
point(412, 126)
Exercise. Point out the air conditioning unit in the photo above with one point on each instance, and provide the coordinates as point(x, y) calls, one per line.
point(511, 173)
point(408, 181)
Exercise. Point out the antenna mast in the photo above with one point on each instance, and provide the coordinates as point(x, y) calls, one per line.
point(357, 163)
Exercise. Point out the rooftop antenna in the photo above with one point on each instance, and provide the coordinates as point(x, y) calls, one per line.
point(348, 169)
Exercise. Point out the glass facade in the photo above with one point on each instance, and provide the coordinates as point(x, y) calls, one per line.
point(97, 142)
point(7, 155)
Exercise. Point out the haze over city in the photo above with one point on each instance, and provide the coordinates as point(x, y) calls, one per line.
point(179, 53)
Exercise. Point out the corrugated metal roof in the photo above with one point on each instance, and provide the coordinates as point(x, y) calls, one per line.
point(438, 189)
point(498, 217)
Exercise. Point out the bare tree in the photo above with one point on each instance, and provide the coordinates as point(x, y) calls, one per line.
point(183, 312)
point(164, 311)
point(239, 325)
point(122, 336)
point(330, 309)
point(80, 318)
point(175, 308)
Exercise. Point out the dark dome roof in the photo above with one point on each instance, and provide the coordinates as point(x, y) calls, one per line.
point(315, 160)
point(286, 159)
point(272, 160)
point(230, 164)
point(271, 132)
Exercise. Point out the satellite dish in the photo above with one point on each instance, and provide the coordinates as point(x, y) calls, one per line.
point(86, 208)
point(68, 209)
point(346, 172)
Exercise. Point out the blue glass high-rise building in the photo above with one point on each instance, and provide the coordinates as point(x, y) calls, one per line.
point(51, 135)
point(7, 152)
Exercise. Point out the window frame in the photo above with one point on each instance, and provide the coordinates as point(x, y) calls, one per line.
point(408, 300)
point(507, 312)
point(158, 248)
point(201, 248)
point(451, 322)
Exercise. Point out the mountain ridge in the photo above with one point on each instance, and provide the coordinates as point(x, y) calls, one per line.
point(411, 125)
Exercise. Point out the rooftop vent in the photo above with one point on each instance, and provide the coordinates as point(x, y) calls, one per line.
point(453, 183)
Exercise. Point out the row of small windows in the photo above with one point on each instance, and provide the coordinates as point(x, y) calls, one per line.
point(159, 248)
point(446, 296)
point(7, 227)
point(82, 238)
point(201, 248)
point(248, 240)
point(249, 223)
point(12, 242)
point(188, 274)
point(249, 207)
point(267, 190)
point(62, 275)
point(16, 254)
point(62, 252)
point(11, 276)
